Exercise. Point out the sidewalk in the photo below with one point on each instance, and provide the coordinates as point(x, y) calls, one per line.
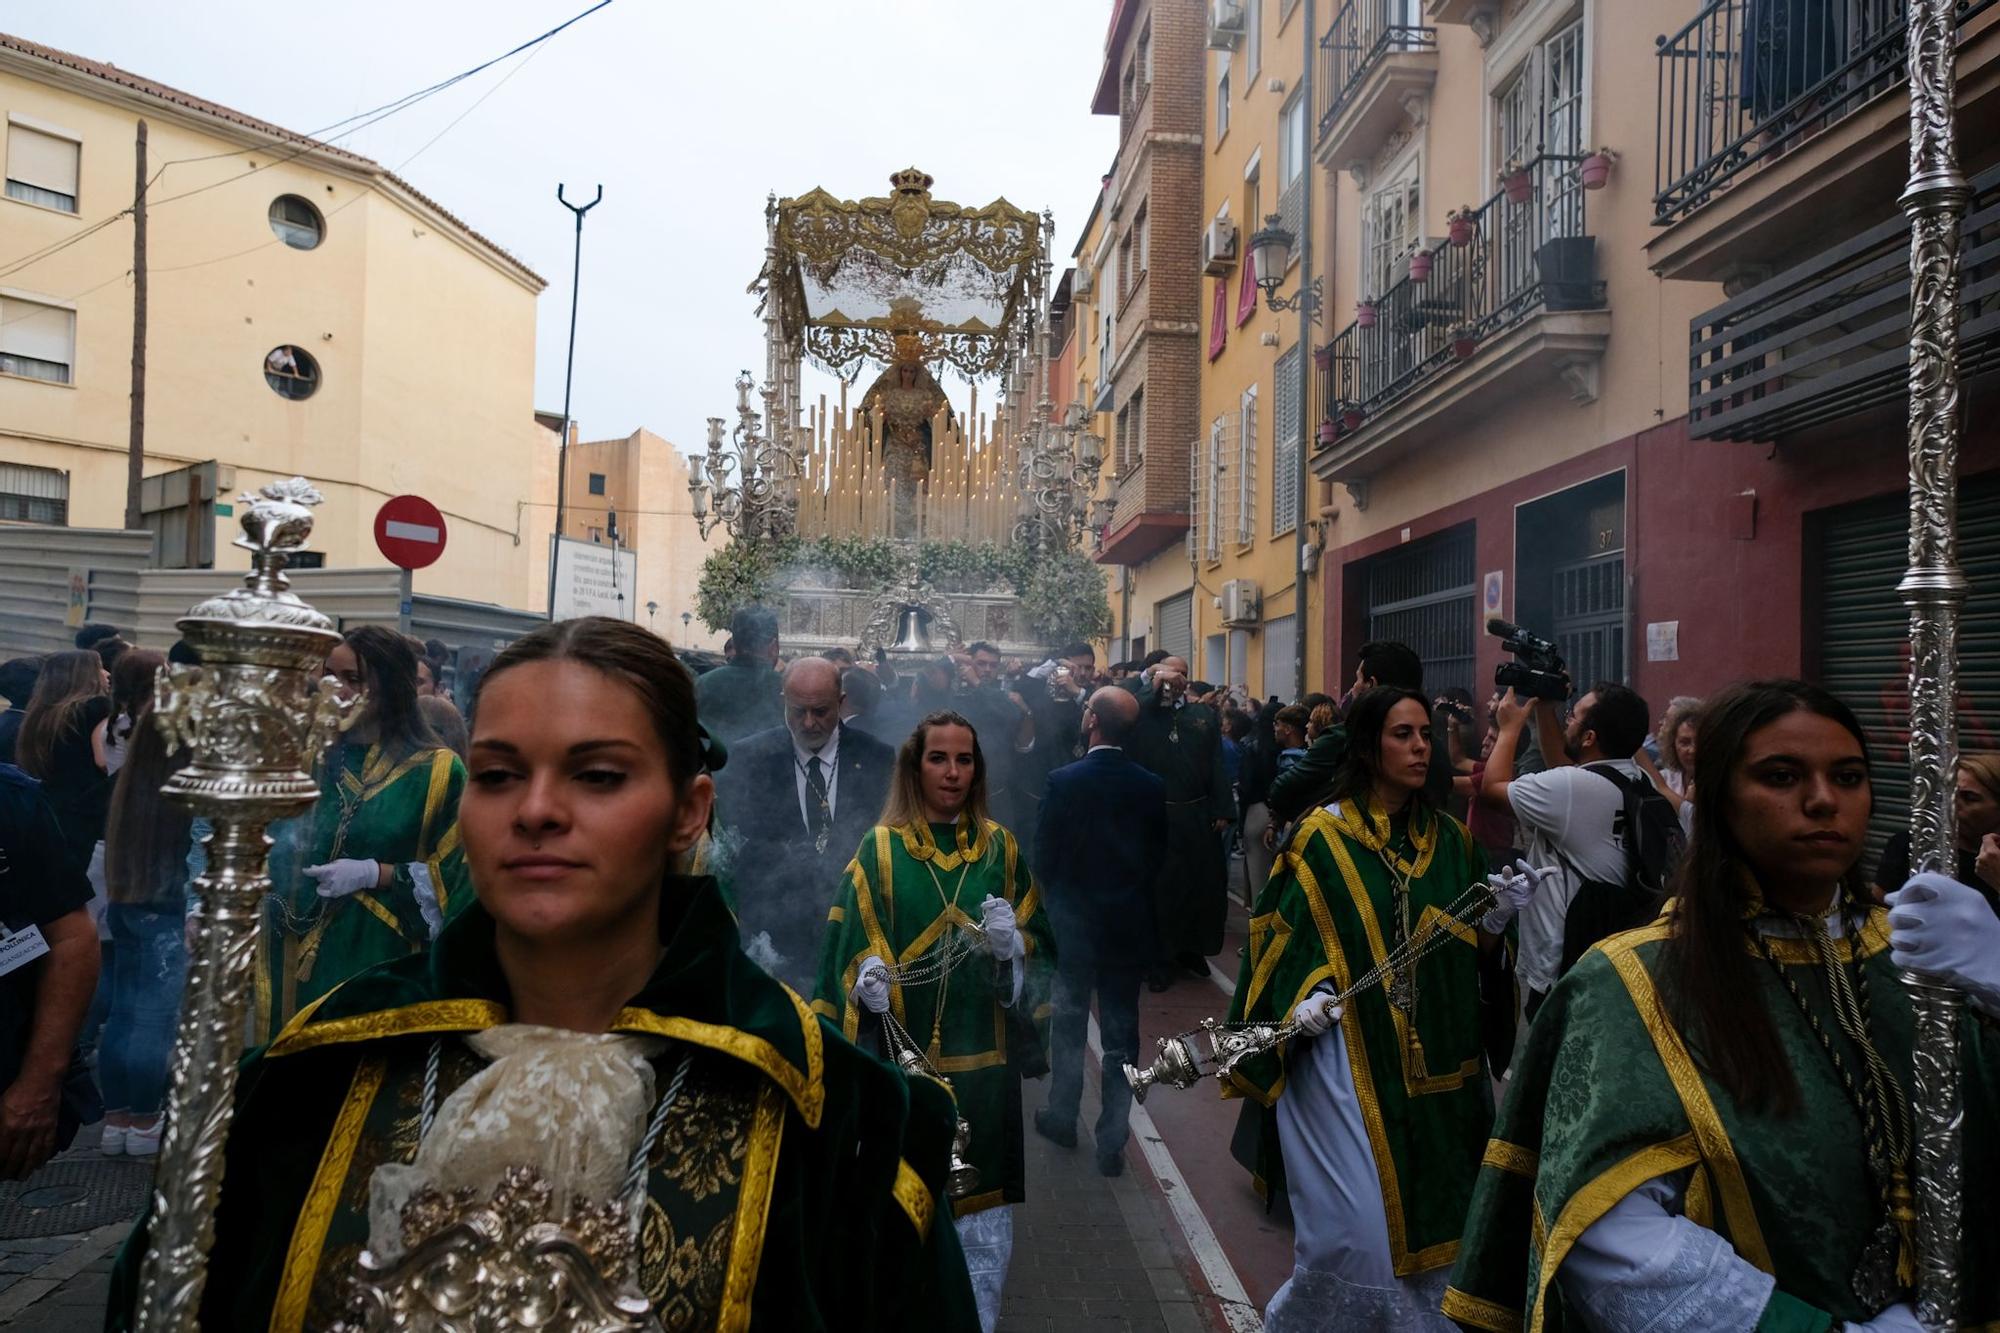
point(59, 1231)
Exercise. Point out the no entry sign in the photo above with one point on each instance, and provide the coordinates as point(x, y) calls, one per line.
point(409, 530)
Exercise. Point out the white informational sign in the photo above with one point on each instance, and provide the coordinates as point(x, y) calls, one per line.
point(1663, 641)
point(595, 580)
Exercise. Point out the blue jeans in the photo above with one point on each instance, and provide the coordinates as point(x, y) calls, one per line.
point(148, 971)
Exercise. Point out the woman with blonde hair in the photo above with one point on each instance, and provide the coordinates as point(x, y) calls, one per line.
point(935, 862)
point(1978, 800)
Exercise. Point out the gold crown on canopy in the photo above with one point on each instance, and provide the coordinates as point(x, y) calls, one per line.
point(912, 180)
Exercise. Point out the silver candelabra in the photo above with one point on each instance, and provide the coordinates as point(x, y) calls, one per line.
point(763, 501)
point(1060, 462)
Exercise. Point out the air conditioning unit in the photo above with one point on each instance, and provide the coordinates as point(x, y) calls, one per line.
point(1081, 286)
point(1218, 247)
point(1225, 25)
point(1242, 603)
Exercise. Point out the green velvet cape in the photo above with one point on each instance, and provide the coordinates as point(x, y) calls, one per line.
point(797, 1185)
point(1327, 915)
point(377, 807)
point(1608, 1094)
point(902, 893)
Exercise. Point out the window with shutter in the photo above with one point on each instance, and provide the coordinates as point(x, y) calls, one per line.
point(1285, 444)
point(37, 341)
point(1246, 471)
point(42, 168)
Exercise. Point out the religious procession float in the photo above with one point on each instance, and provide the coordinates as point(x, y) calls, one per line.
point(891, 519)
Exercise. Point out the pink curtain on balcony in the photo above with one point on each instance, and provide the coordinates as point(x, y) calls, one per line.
point(1246, 296)
point(1218, 325)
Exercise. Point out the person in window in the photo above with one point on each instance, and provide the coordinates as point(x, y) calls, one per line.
point(1372, 1118)
point(1711, 1123)
point(1978, 799)
point(280, 361)
point(934, 861)
point(590, 1018)
point(376, 867)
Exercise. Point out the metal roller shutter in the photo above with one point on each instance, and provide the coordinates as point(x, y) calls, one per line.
point(1865, 631)
point(1175, 620)
point(1426, 595)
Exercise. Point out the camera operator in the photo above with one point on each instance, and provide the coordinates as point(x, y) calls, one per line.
point(1571, 812)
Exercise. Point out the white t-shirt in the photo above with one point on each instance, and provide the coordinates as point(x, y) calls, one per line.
point(1574, 813)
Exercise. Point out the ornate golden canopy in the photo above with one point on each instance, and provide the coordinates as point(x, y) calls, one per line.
point(851, 276)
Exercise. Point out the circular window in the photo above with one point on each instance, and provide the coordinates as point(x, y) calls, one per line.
point(297, 223)
point(291, 372)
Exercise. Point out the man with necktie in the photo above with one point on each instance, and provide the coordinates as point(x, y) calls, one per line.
point(793, 803)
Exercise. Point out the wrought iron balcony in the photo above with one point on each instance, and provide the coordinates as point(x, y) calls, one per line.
point(1749, 80)
point(1829, 338)
point(1520, 258)
point(1362, 36)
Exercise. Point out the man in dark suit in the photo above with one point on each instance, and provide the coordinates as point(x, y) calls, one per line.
point(794, 802)
point(1100, 845)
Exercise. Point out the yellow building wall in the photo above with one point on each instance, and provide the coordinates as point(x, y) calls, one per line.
point(424, 339)
point(1250, 353)
point(1642, 378)
point(645, 479)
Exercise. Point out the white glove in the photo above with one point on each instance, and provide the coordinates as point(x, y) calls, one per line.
point(1896, 1319)
point(1317, 1013)
point(1946, 928)
point(871, 985)
point(338, 879)
point(1003, 937)
point(1511, 891)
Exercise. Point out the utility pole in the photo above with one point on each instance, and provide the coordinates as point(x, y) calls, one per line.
point(135, 447)
point(569, 372)
point(1301, 581)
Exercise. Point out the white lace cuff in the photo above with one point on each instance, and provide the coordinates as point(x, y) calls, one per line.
point(426, 895)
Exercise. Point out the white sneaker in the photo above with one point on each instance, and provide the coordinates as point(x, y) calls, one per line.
point(144, 1142)
point(111, 1139)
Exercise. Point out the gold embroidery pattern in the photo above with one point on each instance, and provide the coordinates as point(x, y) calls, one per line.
point(703, 1144)
point(753, 1208)
point(1504, 1156)
point(295, 1284)
point(914, 1198)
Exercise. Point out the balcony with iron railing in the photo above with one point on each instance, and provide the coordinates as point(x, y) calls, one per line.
point(1509, 299)
point(1828, 339)
point(1372, 57)
point(1773, 114)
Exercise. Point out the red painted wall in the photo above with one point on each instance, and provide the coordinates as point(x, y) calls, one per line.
point(1741, 592)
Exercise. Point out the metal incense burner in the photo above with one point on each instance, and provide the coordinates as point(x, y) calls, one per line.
point(1180, 1065)
point(253, 731)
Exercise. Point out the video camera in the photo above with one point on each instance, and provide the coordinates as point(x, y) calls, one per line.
point(1537, 671)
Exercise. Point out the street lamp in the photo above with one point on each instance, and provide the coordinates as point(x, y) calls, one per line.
point(686, 618)
point(652, 611)
point(1270, 256)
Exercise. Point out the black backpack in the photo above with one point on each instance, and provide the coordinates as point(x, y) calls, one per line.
point(1649, 829)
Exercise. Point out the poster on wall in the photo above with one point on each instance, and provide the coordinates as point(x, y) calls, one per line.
point(1663, 641)
point(595, 580)
point(1496, 582)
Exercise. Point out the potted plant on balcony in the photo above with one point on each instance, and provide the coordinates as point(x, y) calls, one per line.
point(1351, 416)
point(1420, 266)
point(1517, 181)
point(1364, 314)
point(1595, 169)
point(1327, 431)
point(1462, 224)
point(1464, 340)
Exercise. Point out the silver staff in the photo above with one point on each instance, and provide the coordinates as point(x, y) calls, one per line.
point(252, 730)
point(1934, 590)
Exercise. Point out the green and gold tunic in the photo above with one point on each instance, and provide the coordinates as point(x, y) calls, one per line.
point(1609, 1094)
point(795, 1184)
point(902, 893)
point(378, 807)
point(1332, 912)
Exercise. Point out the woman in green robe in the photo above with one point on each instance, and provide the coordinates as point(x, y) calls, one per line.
point(1711, 1125)
point(375, 868)
point(1373, 1118)
point(585, 1045)
point(936, 862)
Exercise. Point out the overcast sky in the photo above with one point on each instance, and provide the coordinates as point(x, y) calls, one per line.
point(687, 113)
